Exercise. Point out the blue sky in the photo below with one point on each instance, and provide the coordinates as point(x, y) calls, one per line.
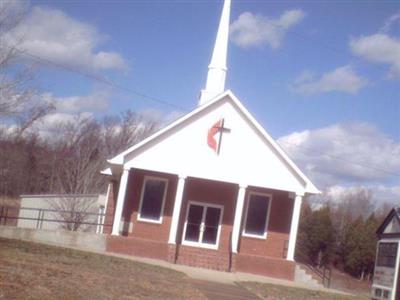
point(323, 77)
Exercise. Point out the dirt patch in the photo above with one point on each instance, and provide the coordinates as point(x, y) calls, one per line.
point(347, 283)
point(277, 292)
point(35, 271)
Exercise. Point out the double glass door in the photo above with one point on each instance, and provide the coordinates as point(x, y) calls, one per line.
point(202, 225)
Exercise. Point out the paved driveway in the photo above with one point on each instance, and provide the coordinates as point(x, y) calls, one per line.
point(222, 291)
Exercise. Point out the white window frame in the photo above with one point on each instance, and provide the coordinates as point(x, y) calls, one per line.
point(139, 216)
point(252, 235)
point(199, 243)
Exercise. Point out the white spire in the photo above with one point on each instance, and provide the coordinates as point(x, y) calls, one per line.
point(217, 68)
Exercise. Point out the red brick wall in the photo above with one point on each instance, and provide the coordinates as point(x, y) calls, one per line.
point(137, 247)
point(219, 193)
point(111, 203)
point(203, 258)
point(142, 229)
point(278, 227)
point(267, 256)
point(259, 256)
point(267, 266)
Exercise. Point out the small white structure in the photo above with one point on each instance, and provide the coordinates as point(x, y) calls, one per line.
point(40, 211)
point(386, 283)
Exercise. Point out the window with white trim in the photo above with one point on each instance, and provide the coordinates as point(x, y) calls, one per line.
point(152, 200)
point(202, 225)
point(256, 220)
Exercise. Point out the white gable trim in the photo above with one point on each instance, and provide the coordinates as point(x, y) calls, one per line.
point(119, 159)
point(309, 186)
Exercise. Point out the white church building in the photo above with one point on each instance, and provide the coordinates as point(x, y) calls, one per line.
point(213, 189)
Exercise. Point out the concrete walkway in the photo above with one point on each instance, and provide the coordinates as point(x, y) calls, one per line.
point(221, 291)
point(219, 277)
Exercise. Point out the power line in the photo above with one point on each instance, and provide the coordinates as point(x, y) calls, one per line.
point(97, 78)
point(144, 96)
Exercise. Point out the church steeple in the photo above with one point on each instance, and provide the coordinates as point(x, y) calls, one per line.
point(217, 68)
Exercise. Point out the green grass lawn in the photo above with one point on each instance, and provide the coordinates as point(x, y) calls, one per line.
point(277, 292)
point(36, 271)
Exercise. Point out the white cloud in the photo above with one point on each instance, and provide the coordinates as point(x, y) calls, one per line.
point(343, 79)
point(388, 194)
point(159, 116)
point(344, 154)
point(11, 12)
point(52, 35)
point(8, 129)
point(96, 102)
point(58, 118)
point(49, 125)
point(392, 20)
point(69, 110)
point(379, 48)
point(381, 193)
point(254, 30)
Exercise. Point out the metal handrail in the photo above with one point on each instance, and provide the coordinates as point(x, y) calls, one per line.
point(5, 215)
point(52, 210)
point(325, 274)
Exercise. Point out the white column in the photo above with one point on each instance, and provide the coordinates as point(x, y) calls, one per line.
point(238, 218)
point(98, 227)
point(294, 226)
point(120, 202)
point(103, 219)
point(177, 210)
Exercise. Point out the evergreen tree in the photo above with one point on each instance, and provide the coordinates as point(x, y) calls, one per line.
point(359, 247)
point(371, 225)
point(317, 236)
point(352, 246)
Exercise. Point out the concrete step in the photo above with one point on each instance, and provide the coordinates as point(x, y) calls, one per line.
point(302, 276)
point(310, 272)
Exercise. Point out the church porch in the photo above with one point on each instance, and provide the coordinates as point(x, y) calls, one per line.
point(201, 231)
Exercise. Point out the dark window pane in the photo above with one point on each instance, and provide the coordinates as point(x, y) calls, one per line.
point(378, 292)
point(212, 216)
point(195, 214)
point(192, 232)
point(386, 294)
point(210, 235)
point(193, 223)
point(387, 253)
point(211, 225)
point(152, 199)
point(257, 214)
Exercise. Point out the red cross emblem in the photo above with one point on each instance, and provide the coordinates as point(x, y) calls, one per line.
point(212, 132)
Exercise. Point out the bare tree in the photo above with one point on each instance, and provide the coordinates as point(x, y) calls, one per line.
point(75, 211)
point(80, 154)
point(79, 157)
point(77, 163)
point(125, 130)
point(17, 95)
point(23, 164)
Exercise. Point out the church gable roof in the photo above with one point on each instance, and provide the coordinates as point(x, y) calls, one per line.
point(176, 142)
point(391, 224)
